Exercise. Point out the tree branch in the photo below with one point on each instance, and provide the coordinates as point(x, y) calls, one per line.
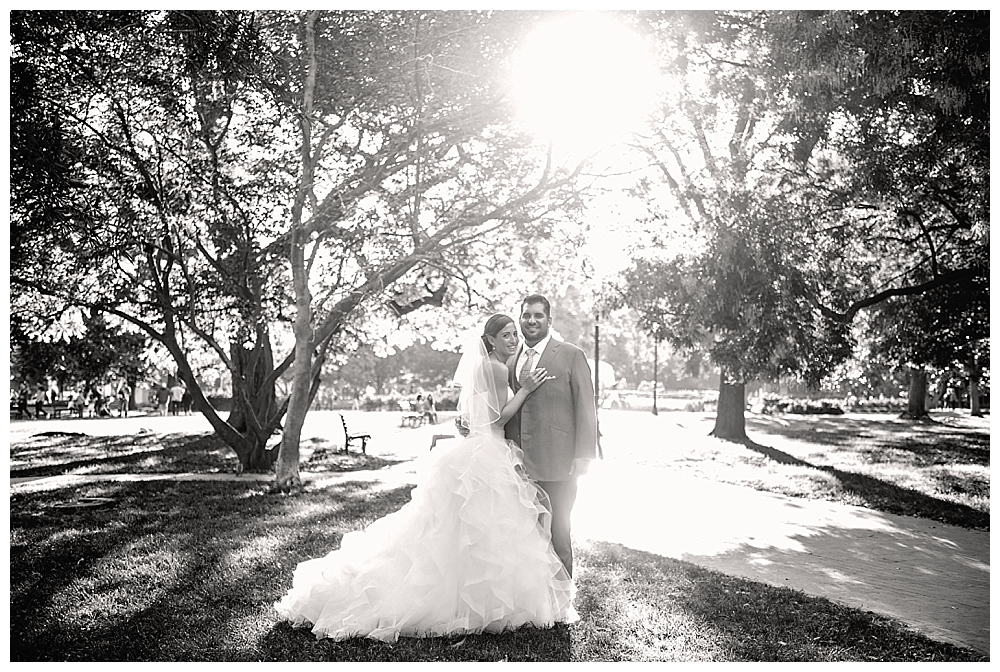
point(848, 315)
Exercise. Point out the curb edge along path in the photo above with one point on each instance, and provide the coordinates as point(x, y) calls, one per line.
point(931, 576)
point(928, 575)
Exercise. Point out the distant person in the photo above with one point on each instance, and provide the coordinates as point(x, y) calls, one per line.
point(22, 402)
point(176, 397)
point(97, 402)
point(186, 402)
point(162, 399)
point(93, 398)
point(430, 413)
point(950, 398)
point(101, 406)
point(124, 397)
point(41, 396)
point(79, 403)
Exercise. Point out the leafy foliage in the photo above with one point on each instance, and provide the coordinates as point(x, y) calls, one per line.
point(206, 157)
point(939, 328)
point(100, 353)
point(823, 163)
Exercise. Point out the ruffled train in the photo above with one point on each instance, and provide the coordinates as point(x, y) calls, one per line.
point(470, 552)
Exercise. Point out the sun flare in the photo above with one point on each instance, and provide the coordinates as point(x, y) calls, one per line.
point(583, 80)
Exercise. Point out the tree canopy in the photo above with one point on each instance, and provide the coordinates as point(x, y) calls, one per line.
point(822, 162)
point(275, 187)
point(228, 173)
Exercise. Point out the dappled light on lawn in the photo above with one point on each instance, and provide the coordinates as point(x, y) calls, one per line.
point(666, 489)
point(255, 548)
point(181, 571)
point(638, 606)
point(639, 497)
point(859, 556)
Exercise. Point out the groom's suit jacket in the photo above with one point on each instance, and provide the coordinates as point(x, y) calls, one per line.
point(558, 421)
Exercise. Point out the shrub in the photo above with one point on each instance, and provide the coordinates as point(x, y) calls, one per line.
point(446, 399)
point(772, 403)
point(221, 404)
point(880, 405)
point(374, 404)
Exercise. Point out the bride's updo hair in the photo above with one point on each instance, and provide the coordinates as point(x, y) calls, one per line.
point(493, 327)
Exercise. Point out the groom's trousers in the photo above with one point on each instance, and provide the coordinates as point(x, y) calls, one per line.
point(562, 496)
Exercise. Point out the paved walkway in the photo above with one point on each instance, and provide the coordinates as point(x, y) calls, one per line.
point(931, 576)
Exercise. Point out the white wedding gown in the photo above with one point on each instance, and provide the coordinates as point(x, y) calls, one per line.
point(468, 553)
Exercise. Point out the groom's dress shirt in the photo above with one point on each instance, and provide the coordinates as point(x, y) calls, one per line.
point(539, 349)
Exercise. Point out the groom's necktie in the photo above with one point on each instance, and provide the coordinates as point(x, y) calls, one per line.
point(526, 369)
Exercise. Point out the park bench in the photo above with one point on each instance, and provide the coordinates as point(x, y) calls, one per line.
point(348, 437)
point(56, 409)
point(53, 410)
point(410, 417)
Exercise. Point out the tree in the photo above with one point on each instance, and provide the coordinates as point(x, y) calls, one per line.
point(794, 152)
point(454, 103)
point(919, 158)
point(930, 179)
point(941, 329)
point(734, 285)
point(162, 225)
point(98, 352)
point(244, 177)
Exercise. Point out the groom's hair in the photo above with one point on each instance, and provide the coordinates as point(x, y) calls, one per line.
point(537, 298)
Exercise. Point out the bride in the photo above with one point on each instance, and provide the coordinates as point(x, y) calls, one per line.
point(470, 552)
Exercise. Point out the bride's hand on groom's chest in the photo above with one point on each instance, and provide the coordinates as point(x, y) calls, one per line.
point(552, 379)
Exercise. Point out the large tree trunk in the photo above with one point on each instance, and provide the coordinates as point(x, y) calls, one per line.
point(916, 400)
point(247, 450)
point(252, 380)
point(259, 459)
point(730, 418)
point(973, 369)
point(255, 413)
point(239, 376)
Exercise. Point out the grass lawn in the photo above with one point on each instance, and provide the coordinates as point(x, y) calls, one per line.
point(188, 571)
point(938, 470)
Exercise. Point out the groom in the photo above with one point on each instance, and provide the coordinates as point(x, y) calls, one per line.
point(556, 426)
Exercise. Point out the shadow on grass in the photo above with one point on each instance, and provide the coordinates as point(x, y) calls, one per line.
point(176, 571)
point(54, 453)
point(884, 496)
point(182, 571)
point(641, 606)
point(928, 442)
point(526, 644)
